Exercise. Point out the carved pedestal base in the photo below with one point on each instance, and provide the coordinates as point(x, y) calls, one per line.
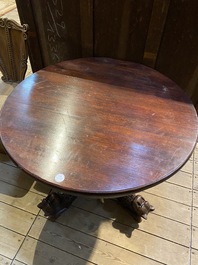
point(137, 205)
point(58, 202)
point(55, 204)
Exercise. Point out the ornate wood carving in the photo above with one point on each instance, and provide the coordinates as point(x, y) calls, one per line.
point(137, 205)
point(55, 204)
point(13, 52)
point(58, 202)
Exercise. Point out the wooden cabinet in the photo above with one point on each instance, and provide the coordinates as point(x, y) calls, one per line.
point(162, 34)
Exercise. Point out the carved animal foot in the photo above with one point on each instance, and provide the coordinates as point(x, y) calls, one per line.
point(55, 204)
point(137, 205)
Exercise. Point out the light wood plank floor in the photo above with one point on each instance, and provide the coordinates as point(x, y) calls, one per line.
point(94, 233)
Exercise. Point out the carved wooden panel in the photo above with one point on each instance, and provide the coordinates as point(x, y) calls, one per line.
point(63, 27)
point(13, 52)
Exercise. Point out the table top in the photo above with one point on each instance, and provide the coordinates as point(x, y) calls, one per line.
point(99, 127)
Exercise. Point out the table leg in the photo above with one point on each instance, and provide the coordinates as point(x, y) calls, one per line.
point(137, 205)
point(55, 204)
point(58, 202)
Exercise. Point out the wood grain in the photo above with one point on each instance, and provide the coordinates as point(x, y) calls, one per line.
point(92, 232)
point(111, 127)
point(158, 33)
point(124, 35)
point(178, 53)
point(156, 28)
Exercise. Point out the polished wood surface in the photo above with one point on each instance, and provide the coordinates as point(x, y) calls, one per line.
point(110, 127)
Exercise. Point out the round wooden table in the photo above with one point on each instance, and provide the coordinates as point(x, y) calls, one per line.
point(99, 127)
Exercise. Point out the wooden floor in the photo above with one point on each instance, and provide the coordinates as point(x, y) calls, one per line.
point(94, 233)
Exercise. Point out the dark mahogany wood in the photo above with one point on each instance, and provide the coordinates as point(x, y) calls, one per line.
point(109, 127)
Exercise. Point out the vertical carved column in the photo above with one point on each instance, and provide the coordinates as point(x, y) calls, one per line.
point(13, 52)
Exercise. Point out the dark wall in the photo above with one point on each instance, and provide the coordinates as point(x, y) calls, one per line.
point(162, 34)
